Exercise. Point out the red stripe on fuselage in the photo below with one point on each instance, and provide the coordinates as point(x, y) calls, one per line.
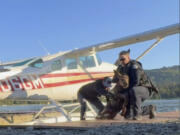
point(70, 74)
point(67, 83)
point(48, 85)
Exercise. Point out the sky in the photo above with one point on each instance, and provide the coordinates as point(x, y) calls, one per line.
point(61, 25)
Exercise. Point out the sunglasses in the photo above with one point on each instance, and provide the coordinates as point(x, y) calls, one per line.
point(122, 59)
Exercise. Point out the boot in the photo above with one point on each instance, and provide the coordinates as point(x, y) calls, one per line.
point(129, 114)
point(82, 118)
point(82, 113)
point(152, 111)
point(137, 117)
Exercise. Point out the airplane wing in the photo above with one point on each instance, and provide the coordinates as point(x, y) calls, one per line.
point(145, 36)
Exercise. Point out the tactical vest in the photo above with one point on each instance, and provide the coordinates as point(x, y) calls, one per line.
point(144, 81)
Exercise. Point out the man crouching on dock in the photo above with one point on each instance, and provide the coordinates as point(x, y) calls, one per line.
point(91, 92)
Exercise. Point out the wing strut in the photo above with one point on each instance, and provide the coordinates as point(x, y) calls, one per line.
point(149, 49)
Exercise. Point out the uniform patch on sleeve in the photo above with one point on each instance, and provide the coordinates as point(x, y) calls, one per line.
point(135, 66)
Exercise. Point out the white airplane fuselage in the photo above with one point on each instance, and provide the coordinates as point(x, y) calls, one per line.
point(31, 82)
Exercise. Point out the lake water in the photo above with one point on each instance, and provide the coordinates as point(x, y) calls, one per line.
point(161, 105)
point(165, 105)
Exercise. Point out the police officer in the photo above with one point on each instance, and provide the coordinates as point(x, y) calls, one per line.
point(138, 81)
point(91, 92)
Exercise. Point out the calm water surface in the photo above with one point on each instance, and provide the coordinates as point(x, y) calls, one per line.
point(165, 105)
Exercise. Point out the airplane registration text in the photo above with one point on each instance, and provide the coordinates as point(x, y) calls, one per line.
point(21, 83)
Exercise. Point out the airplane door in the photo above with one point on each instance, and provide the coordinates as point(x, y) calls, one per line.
point(73, 76)
point(59, 80)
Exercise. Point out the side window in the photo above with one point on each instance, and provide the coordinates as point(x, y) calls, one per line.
point(87, 61)
point(71, 63)
point(37, 64)
point(56, 65)
point(98, 59)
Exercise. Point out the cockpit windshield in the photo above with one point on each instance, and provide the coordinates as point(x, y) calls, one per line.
point(8, 66)
point(37, 63)
point(21, 63)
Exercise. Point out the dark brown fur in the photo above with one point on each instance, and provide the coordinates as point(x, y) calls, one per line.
point(118, 101)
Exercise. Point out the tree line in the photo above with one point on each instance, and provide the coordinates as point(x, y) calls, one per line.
point(167, 79)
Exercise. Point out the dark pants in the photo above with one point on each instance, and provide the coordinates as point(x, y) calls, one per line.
point(94, 101)
point(137, 95)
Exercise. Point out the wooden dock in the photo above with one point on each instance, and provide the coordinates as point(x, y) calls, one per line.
point(162, 117)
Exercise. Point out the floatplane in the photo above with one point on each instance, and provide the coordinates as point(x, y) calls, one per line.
point(59, 76)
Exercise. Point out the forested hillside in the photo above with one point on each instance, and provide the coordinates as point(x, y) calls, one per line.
point(167, 79)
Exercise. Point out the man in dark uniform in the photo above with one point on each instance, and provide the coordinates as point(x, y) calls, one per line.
point(91, 92)
point(138, 83)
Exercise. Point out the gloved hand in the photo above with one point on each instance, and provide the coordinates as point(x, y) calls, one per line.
point(110, 95)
